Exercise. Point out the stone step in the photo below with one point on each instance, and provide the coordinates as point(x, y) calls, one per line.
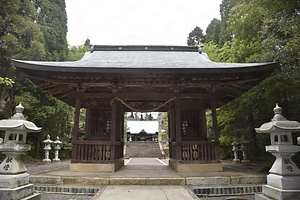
point(197, 182)
point(143, 149)
point(16, 193)
point(34, 196)
point(210, 191)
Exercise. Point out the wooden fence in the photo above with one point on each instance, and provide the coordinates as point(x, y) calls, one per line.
point(96, 151)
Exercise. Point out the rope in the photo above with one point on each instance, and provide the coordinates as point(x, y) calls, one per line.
point(138, 110)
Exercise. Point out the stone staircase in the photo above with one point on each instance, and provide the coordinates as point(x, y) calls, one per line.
point(142, 149)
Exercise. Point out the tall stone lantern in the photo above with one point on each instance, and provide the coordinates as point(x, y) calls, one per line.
point(283, 182)
point(14, 179)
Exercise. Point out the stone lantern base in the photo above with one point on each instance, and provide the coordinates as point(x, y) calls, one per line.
point(13, 187)
point(269, 192)
point(14, 181)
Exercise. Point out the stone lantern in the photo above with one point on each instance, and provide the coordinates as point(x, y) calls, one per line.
point(283, 182)
point(14, 181)
point(47, 149)
point(57, 146)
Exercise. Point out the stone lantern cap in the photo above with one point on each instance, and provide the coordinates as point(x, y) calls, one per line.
point(18, 122)
point(279, 124)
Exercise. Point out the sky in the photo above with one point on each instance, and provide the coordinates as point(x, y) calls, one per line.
point(137, 22)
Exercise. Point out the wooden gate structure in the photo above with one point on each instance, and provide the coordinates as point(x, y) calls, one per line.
point(111, 80)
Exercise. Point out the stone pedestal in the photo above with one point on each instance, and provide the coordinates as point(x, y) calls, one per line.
point(97, 167)
point(13, 187)
point(195, 167)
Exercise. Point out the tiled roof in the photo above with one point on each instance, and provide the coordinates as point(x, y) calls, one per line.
point(159, 58)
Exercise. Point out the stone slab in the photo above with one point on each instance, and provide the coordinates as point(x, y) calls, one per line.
point(40, 179)
point(208, 181)
point(85, 181)
point(96, 167)
point(147, 181)
point(147, 192)
point(261, 197)
point(275, 193)
point(192, 167)
point(34, 196)
point(284, 182)
point(16, 193)
point(262, 179)
point(13, 181)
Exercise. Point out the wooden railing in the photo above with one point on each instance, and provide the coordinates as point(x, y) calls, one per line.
point(195, 151)
point(96, 151)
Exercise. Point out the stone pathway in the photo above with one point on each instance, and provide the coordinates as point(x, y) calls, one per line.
point(139, 178)
point(144, 192)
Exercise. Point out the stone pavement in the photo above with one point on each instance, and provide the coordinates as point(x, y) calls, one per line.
point(140, 178)
point(146, 192)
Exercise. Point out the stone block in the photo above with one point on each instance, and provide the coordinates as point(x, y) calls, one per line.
point(284, 182)
point(165, 181)
point(127, 181)
point(195, 167)
point(38, 179)
point(97, 167)
point(279, 194)
point(208, 181)
point(13, 181)
point(16, 193)
point(85, 181)
point(248, 180)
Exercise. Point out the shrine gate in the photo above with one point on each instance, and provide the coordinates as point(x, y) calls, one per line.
point(111, 80)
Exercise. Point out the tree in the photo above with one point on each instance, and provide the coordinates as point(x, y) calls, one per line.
point(87, 42)
point(21, 38)
point(33, 30)
point(213, 32)
point(258, 31)
point(52, 18)
point(5, 85)
point(196, 37)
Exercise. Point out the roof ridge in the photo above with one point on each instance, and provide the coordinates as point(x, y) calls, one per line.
point(144, 48)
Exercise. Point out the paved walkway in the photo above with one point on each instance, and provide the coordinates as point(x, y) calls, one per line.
point(140, 178)
point(138, 167)
point(142, 192)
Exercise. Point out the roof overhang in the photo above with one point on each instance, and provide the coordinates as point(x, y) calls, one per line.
point(145, 73)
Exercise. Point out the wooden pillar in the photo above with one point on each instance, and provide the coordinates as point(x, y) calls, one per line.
point(116, 128)
point(178, 128)
point(214, 118)
point(203, 126)
point(75, 129)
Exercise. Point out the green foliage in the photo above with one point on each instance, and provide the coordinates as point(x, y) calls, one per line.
point(33, 30)
point(258, 31)
point(45, 111)
point(52, 18)
point(212, 51)
point(76, 52)
point(213, 31)
point(6, 82)
point(196, 37)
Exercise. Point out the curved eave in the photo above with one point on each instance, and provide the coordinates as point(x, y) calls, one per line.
point(18, 125)
point(39, 66)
